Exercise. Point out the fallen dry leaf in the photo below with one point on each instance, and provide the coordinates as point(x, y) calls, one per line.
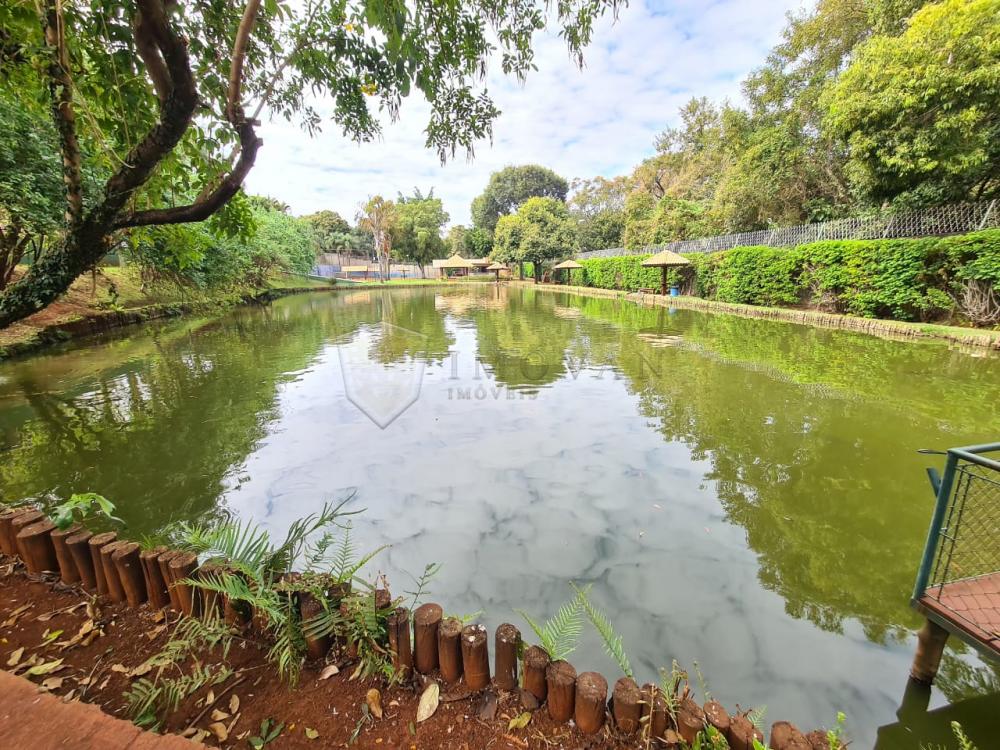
point(218, 715)
point(311, 734)
point(219, 730)
point(15, 656)
point(234, 704)
point(428, 702)
point(519, 722)
point(46, 668)
point(374, 700)
point(52, 683)
point(210, 698)
point(329, 671)
point(12, 619)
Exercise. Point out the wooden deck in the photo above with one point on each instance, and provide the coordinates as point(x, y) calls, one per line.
point(970, 609)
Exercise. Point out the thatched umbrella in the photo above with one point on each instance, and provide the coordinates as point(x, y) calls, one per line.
point(568, 265)
point(455, 261)
point(663, 260)
point(498, 267)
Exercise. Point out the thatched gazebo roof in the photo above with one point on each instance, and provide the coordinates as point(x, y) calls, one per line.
point(666, 258)
point(456, 261)
point(496, 267)
point(566, 264)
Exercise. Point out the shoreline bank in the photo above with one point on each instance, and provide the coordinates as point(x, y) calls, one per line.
point(891, 329)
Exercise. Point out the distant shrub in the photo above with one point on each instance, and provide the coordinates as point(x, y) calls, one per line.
point(919, 279)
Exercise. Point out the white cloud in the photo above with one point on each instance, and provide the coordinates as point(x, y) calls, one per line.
point(597, 121)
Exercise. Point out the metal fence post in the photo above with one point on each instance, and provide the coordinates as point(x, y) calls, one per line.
point(943, 496)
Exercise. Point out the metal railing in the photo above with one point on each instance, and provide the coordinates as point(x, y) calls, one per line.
point(963, 542)
point(957, 218)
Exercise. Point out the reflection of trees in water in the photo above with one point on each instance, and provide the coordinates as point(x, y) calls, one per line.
point(415, 328)
point(836, 526)
point(959, 680)
point(160, 435)
point(524, 345)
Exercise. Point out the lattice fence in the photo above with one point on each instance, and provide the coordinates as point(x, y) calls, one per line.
point(929, 222)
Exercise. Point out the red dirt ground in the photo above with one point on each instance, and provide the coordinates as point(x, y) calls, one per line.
point(96, 673)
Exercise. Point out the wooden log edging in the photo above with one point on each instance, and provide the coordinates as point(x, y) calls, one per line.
point(120, 571)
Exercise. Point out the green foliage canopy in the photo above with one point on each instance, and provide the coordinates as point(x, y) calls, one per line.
point(512, 186)
point(921, 111)
point(123, 85)
point(540, 231)
point(417, 231)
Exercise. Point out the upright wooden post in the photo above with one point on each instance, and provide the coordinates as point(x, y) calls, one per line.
point(116, 592)
point(8, 532)
point(508, 643)
point(450, 649)
point(742, 733)
point(399, 642)
point(20, 522)
point(690, 720)
point(164, 561)
point(930, 648)
point(476, 657)
point(626, 702)
point(663, 280)
point(426, 621)
point(560, 679)
point(309, 608)
point(536, 663)
point(786, 736)
point(181, 567)
point(654, 710)
point(79, 547)
point(68, 572)
point(156, 587)
point(37, 550)
point(129, 569)
point(96, 542)
point(591, 699)
point(718, 717)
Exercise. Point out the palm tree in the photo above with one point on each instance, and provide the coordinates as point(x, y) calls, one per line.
point(378, 216)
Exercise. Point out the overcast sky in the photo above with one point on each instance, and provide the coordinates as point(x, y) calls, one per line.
point(601, 120)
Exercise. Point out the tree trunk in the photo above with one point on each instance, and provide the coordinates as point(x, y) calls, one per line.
point(50, 276)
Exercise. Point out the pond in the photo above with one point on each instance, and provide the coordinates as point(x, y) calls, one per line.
point(743, 493)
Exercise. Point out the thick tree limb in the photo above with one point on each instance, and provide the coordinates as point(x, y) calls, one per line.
point(211, 201)
point(234, 105)
point(61, 91)
point(176, 112)
point(150, 53)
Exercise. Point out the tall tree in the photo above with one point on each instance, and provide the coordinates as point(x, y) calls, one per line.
point(456, 240)
point(331, 231)
point(130, 77)
point(597, 206)
point(378, 217)
point(419, 220)
point(540, 231)
point(920, 112)
point(512, 186)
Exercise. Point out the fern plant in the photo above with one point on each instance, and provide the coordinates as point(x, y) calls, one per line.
point(613, 644)
point(559, 634)
point(151, 699)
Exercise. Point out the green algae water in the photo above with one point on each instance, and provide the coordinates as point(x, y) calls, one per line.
point(745, 494)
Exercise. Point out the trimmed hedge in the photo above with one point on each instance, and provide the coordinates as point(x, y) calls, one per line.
point(917, 279)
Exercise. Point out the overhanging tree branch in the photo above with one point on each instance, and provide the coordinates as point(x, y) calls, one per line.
point(211, 201)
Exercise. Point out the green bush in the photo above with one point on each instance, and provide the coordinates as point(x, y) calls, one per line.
point(757, 276)
point(919, 279)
